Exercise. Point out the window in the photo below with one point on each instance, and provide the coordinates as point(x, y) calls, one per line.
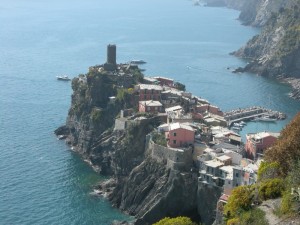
point(155, 108)
point(148, 108)
point(174, 142)
point(174, 134)
point(237, 175)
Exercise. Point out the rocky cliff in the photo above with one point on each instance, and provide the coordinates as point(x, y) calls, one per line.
point(275, 52)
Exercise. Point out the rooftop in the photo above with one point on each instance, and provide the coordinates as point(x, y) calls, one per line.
point(174, 126)
point(165, 78)
point(262, 135)
point(150, 87)
point(174, 108)
point(150, 103)
point(224, 158)
point(213, 163)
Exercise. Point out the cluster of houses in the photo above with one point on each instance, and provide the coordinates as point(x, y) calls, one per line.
point(192, 122)
point(195, 133)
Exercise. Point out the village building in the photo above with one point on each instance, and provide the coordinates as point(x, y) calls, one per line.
point(207, 108)
point(163, 81)
point(148, 92)
point(150, 80)
point(150, 106)
point(215, 120)
point(223, 134)
point(180, 135)
point(257, 143)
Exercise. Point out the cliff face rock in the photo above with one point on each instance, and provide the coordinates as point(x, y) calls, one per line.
point(207, 198)
point(276, 51)
point(152, 192)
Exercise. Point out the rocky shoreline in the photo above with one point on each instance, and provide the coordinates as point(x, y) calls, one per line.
point(275, 51)
point(295, 83)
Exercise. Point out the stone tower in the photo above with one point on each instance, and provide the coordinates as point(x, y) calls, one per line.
point(112, 54)
point(111, 61)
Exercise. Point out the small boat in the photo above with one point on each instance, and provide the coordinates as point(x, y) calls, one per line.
point(267, 119)
point(238, 125)
point(236, 128)
point(137, 61)
point(63, 77)
point(243, 123)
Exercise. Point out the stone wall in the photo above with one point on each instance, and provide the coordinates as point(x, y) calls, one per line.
point(174, 158)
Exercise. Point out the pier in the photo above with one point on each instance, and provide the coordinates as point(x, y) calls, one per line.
point(251, 113)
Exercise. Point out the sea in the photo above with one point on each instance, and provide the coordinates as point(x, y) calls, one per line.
point(41, 180)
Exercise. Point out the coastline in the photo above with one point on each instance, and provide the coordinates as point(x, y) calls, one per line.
point(295, 84)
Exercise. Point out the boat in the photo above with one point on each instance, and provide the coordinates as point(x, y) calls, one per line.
point(264, 119)
point(137, 61)
point(238, 125)
point(267, 119)
point(236, 128)
point(63, 77)
point(243, 123)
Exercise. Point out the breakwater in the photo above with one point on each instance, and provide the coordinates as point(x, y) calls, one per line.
point(251, 113)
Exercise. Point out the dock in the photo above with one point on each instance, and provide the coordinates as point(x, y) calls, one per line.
point(246, 114)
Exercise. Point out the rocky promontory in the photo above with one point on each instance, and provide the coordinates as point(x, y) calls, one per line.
point(141, 184)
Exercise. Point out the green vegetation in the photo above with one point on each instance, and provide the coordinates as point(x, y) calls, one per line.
point(286, 151)
point(268, 170)
point(181, 220)
point(125, 97)
point(278, 176)
point(96, 115)
point(254, 216)
point(179, 86)
point(271, 188)
point(159, 138)
point(137, 75)
point(240, 200)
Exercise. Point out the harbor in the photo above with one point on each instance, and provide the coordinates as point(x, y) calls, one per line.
point(254, 113)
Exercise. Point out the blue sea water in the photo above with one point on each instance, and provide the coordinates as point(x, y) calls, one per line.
point(41, 181)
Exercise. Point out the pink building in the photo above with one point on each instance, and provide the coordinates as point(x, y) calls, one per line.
point(258, 142)
point(180, 135)
point(150, 106)
point(149, 92)
point(165, 81)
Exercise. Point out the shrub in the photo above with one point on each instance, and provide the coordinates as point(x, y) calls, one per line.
point(181, 220)
point(268, 170)
point(271, 188)
point(159, 139)
point(239, 200)
point(255, 216)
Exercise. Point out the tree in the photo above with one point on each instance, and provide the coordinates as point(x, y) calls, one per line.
point(286, 150)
